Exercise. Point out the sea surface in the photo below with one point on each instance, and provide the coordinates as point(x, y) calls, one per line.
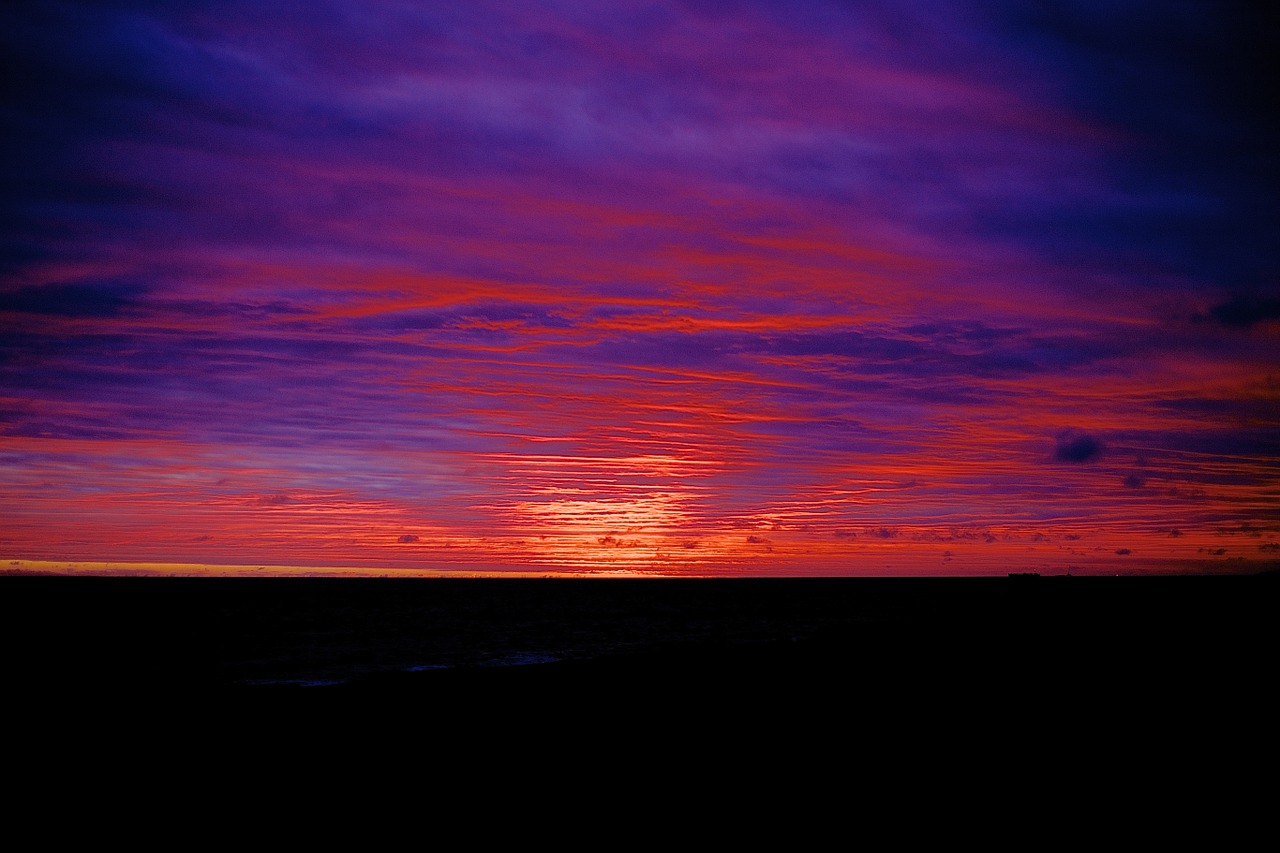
point(247, 634)
point(979, 707)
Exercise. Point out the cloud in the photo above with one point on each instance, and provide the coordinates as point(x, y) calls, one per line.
point(407, 539)
point(1077, 446)
point(611, 541)
point(1245, 528)
point(450, 259)
point(272, 500)
point(70, 300)
point(1244, 311)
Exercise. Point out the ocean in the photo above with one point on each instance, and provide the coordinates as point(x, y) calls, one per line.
point(254, 634)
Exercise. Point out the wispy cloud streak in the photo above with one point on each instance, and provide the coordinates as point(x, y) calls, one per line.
point(661, 287)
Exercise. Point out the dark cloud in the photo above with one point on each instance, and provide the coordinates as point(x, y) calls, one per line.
point(232, 310)
point(82, 428)
point(1227, 432)
point(71, 300)
point(662, 349)
point(611, 541)
point(1077, 446)
point(1244, 311)
point(402, 321)
point(407, 539)
point(1123, 551)
point(851, 344)
point(1133, 481)
point(1239, 409)
point(953, 354)
point(1243, 529)
point(1188, 493)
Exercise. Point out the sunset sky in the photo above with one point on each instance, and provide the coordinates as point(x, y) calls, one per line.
point(708, 288)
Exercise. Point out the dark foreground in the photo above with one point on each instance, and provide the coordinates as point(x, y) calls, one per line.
point(442, 639)
point(978, 709)
point(1016, 691)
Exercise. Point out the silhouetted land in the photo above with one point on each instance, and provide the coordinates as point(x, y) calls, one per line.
point(442, 640)
point(1012, 695)
point(1021, 689)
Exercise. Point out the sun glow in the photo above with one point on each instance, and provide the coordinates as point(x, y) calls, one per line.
point(639, 512)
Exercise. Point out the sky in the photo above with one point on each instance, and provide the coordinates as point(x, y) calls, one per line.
point(615, 288)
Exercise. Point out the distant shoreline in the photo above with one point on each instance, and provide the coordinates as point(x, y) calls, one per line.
point(1108, 568)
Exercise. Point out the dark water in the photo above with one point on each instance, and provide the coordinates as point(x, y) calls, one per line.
point(414, 635)
point(1015, 694)
point(1060, 704)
